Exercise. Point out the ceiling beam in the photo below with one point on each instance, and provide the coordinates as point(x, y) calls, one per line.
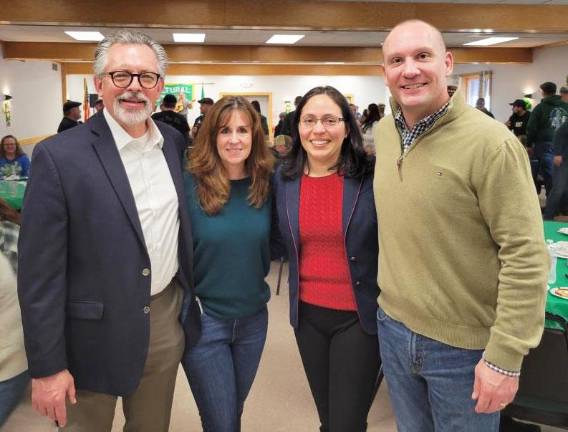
point(77, 52)
point(285, 14)
point(249, 69)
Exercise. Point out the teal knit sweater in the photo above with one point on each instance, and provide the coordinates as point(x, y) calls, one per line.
point(231, 253)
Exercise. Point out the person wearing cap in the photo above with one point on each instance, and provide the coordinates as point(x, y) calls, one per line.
point(169, 116)
point(71, 115)
point(204, 105)
point(517, 123)
point(546, 117)
point(564, 94)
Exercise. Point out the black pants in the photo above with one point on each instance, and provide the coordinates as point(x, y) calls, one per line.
point(342, 364)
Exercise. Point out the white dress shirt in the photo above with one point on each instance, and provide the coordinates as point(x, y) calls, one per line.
point(155, 197)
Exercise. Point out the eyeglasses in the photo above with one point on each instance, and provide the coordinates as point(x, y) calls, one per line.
point(328, 122)
point(123, 79)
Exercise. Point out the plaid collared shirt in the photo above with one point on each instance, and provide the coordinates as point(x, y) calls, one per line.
point(9, 242)
point(409, 136)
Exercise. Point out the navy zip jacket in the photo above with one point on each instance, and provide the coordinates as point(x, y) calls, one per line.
point(360, 241)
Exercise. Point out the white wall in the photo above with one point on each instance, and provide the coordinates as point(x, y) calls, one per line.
point(511, 82)
point(36, 91)
point(364, 89)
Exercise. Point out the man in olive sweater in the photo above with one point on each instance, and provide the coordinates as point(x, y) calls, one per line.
point(463, 270)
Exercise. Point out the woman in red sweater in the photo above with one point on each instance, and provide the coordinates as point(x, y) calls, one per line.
point(327, 219)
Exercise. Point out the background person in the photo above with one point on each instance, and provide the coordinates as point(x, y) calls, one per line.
point(205, 105)
point(518, 121)
point(14, 376)
point(263, 121)
point(174, 119)
point(71, 116)
point(463, 263)
point(369, 128)
point(228, 197)
point(545, 118)
point(326, 217)
point(13, 160)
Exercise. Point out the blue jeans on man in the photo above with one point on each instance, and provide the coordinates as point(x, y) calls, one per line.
point(222, 366)
point(559, 188)
point(430, 383)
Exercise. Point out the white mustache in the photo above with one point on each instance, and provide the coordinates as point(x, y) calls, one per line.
point(136, 96)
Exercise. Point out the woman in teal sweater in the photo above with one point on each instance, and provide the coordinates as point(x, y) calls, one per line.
point(228, 197)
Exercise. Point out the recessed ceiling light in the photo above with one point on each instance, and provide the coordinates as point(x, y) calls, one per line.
point(491, 41)
point(189, 37)
point(284, 39)
point(93, 36)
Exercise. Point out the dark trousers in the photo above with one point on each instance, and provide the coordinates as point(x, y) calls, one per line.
point(559, 186)
point(342, 364)
point(544, 154)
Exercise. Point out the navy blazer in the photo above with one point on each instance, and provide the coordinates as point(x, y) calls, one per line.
point(360, 241)
point(83, 277)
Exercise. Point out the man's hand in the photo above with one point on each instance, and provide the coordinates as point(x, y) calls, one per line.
point(49, 394)
point(492, 390)
point(557, 160)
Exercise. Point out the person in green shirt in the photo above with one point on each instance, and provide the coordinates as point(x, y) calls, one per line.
point(227, 186)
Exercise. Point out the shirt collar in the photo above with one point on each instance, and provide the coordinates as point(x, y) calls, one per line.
point(425, 123)
point(123, 138)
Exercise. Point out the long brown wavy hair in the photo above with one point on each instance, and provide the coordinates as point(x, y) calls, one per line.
point(213, 184)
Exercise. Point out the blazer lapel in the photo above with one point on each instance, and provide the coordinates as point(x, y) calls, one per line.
point(293, 208)
point(351, 190)
point(107, 152)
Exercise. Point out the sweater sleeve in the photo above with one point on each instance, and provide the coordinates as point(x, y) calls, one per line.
point(511, 210)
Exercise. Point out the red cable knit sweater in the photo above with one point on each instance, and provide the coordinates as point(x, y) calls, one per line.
point(324, 273)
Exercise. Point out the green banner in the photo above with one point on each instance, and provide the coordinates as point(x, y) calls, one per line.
point(183, 93)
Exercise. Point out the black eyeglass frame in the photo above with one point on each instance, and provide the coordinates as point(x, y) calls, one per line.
point(132, 75)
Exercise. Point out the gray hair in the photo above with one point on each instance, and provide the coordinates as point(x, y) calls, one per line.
point(131, 38)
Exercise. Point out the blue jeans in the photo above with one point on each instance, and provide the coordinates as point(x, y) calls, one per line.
point(11, 392)
point(222, 366)
point(430, 383)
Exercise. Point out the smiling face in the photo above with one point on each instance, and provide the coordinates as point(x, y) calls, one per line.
point(321, 143)
point(416, 66)
point(234, 143)
point(9, 145)
point(133, 105)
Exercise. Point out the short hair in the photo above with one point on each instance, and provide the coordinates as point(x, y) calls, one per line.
point(418, 21)
point(548, 88)
point(213, 184)
point(353, 161)
point(128, 37)
point(169, 101)
point(19, 150)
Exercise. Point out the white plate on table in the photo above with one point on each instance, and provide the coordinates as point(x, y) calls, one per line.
point(559, 249)
point(561, 292)
point(563, 230)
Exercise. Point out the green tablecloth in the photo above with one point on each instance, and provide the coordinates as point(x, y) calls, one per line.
point(13, 192)
point(557, 305)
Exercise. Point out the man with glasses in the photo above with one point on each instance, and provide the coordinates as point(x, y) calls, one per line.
point(105, 254)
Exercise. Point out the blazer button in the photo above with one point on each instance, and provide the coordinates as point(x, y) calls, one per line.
point(358, 283)
point(352, 258)
point(146, 272)
point(146, 309)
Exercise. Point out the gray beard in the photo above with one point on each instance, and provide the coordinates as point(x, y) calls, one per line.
point(132, 118)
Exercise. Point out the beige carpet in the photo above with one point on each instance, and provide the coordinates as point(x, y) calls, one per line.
point(279, 401)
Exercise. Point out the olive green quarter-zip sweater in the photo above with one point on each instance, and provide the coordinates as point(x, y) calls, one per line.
point(463, 259)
